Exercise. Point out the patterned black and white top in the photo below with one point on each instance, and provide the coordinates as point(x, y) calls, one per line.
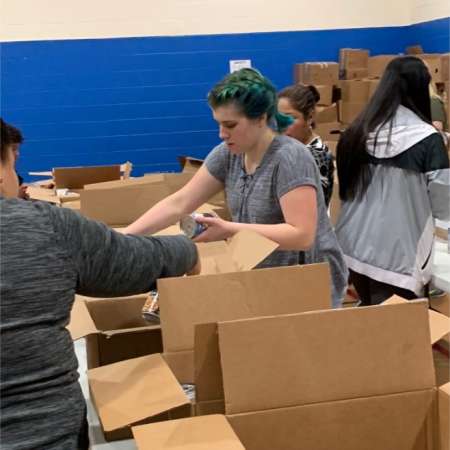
point(324, 161)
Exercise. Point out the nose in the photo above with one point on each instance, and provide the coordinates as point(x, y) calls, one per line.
point(223, 134)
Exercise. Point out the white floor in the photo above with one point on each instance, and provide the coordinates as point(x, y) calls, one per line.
point(95, 432)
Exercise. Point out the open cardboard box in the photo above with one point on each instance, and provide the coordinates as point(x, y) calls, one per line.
point(78, 177)
point(114, 329)
point(186, 302)
point(189, 164)
point(341, 379)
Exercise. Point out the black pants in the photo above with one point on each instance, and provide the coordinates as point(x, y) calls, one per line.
point(373, 292)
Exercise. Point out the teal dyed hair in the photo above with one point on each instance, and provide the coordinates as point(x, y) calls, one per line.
point(252, 93)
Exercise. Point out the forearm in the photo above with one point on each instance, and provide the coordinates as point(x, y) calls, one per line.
point(165, 213)
point(287, 236)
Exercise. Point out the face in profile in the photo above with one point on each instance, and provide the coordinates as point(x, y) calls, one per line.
point(301, 128)
point(240, 133)
point(9, 184)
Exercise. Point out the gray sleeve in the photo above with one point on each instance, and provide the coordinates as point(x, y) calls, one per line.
point(110, 264)
point(296, 168)
point(217, 162)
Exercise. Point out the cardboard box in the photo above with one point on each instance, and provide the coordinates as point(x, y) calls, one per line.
point(441, 304)
point(354, 91)
point(326, 114)
point(352, 58)
point(329, 131)
point(198, 433)
point(445, 71)
point(377, 65)
point(189, 164)
point(434, 64)
point(356, 74)
point(281, 393)
point(204, 298)
point(444, 416)
point(316, 73)
point(348, 112)
point(114, 329)
point(332, 145)
point(326, 94)
point(233, 296)
point(414, 50)
point(77, 177)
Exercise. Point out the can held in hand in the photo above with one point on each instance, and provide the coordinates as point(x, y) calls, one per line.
point(190, 227)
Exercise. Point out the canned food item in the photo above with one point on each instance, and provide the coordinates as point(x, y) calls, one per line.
point(190, 227)
point(150, 310)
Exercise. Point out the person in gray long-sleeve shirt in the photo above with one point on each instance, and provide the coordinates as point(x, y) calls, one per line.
point(47, 255)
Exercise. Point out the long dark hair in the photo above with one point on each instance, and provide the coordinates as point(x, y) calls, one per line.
point(404, 82)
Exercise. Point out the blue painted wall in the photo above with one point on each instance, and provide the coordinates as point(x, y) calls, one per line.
point(87, 102)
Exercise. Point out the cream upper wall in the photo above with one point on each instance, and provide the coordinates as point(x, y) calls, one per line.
point(423, 10)
point(69, 19)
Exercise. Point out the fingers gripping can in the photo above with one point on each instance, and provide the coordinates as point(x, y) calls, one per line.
point(190, 227)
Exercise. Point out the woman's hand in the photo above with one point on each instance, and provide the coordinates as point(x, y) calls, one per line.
point(218, 229)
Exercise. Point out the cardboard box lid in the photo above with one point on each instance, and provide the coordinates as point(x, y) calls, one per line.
point(194, 433)
point(77, 177)
point(325, 356)
point(133, 390)
point(81, 323)
point(243, 251)
point(439, 323)
point(185, 302)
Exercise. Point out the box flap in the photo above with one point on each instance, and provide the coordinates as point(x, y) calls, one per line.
point(194, 433)
point(248, 249)
point(121, 206)
point(325, 356)
point(187, 301)
point(77, 177)
point(129, 182)
point(133, 390)
point(81, 323)
point(439, 324)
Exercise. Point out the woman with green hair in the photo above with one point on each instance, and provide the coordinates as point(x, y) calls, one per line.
point(271, 182)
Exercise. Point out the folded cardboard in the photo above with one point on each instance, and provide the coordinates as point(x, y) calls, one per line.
point(326, 94)
point(354, 91)
point(329, 131)
point(189, 164)
point(136, 391)
point(317, 73)
point(77, 177)
point(377, 65)
point(114, 329)
point(444, 416)
point(351, 58)
point(234, 295)
point(326, 114)
point(313, 381)
point(198, 433)
point(349, 111)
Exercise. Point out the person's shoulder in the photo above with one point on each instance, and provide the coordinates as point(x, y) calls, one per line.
point(290, 149)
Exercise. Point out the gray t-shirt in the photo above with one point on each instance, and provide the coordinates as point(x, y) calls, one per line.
point(255, 198)
point(47, 255)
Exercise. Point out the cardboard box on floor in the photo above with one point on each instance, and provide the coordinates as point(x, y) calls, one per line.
point(434, 64)
point(377, 65)
point(348, 112)
point(114, 329)
point(287, 385)
point(445, 70)
point(354, 91)
point(317, 73)
point(326, 94)
point(184, 303)
point(353, 58)
point(444, 416)
point(373, 85)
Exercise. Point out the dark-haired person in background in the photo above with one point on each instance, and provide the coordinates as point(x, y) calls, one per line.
point(394, 179)
point(47, 255)
point(299, 102)
point(16, 138)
